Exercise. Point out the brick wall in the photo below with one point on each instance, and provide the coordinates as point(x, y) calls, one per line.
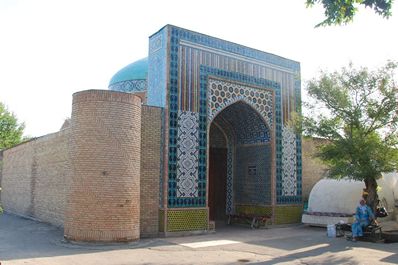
point(313, 169)
point(105, 151)
point(150, 170)
point(36, 178)
point(18, 182)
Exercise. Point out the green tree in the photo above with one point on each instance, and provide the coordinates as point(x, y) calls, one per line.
point(10, 130)
point(356, 110)
point(343, 11)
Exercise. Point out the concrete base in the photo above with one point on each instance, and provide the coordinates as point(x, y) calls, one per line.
point(187, 233)
point(323, 221)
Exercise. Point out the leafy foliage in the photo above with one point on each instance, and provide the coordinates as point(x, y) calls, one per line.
point(10, 130)
point(356, 110)
point(343, 11)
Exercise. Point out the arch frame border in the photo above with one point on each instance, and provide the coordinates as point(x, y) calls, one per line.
point(207, 73)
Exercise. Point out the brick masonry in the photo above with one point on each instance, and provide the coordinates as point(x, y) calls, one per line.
point(105, 151)
point(313, 169)
point(151, 129)
point(36, 178)
point(84, 165)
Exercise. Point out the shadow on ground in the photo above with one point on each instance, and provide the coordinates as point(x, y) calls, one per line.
point(22, 238)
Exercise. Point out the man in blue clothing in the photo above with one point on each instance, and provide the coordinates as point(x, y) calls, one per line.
point(363, 217)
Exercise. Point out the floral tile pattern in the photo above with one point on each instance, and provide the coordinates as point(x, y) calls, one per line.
point(187, 154)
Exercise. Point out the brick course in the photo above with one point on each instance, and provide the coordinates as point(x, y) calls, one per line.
point(17, 179)
point(151, 129)
point(104, 203)
point(313, 169)
point(36, 178)
point(93, 168)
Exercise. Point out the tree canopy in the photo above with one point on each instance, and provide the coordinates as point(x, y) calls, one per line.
point(356, 110)
point(343, 11)
point(10, 130)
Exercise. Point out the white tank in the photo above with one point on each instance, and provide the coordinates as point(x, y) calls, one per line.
point(342, 196)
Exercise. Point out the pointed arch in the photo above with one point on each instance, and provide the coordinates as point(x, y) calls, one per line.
point(242, 110)
point(222, 94)
point(249, 146)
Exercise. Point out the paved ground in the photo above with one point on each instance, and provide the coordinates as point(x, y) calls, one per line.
point(25, 241)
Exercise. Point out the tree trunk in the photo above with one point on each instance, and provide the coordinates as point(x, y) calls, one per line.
point(372, 199)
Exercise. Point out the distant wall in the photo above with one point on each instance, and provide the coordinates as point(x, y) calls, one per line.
point(151, 129)
point(36, 178)
point(313, 169)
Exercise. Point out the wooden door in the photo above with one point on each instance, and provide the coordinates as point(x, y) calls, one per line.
point(217, 183)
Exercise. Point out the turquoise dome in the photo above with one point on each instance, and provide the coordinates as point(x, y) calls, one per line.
point(131, 77)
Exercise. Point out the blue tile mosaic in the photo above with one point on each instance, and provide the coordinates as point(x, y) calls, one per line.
point(185, 93)
point(187, 154)
point(130, 86)
point(157, 69)
point(207, 72)
point(180, 33)
point(249, 127)
point(223, 93)
point(252, 180)
point(289, 162)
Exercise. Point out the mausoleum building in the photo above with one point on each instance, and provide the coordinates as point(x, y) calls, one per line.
point(195, 132)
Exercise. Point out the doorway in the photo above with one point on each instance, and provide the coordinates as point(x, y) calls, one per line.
point(239, 161)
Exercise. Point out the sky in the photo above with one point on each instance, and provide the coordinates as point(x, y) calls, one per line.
point(50, 49)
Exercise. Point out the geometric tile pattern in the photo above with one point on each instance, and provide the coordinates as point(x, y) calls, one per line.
point(237, 119)
point(129, 86)
point(260, 133)
point(252, 175)
point(187, 154)
point(222, 94)
point(289, 177)
point(155, 43)
point(157, 65)
point(248, 126)
point(207, 73)
point(187, 220)
point(191, 55)
point(183, 85)
point(242, 124)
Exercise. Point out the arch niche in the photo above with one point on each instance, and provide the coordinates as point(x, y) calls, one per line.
point(240, 160)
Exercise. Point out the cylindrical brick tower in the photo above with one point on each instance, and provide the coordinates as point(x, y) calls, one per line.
point(104, 200)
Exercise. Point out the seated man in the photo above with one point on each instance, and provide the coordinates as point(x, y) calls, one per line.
point(363, 217)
